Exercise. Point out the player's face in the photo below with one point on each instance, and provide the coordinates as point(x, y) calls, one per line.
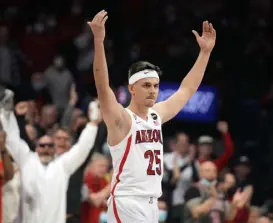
point(145, 91)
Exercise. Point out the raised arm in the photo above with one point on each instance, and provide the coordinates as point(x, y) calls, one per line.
point(113, 113)
point(75, 157)
point(169, 108)
point(18, 148)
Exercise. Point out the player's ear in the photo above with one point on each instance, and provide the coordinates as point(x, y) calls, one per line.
point(131, 89)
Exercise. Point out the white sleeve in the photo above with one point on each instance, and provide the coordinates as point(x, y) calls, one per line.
point(18, 148)
point(75, 157)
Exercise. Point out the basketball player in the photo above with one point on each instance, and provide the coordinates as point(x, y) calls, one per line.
point(134, 133)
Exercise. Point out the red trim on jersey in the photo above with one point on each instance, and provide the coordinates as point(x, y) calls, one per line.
point(123, 160)
point(116, 211)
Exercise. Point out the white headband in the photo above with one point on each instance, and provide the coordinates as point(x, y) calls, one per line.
point(142, 74)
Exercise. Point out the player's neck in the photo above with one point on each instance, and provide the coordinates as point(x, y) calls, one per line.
point(140, 111)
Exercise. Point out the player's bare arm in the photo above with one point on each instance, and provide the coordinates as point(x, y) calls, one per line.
point(113, 113)
point(169, 108)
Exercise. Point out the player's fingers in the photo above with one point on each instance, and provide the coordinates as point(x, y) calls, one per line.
point(210, 28)
point(101, 16)
point(214, 33)
point(97, 16)
point(195, 34)
point(104, 20)
point(206, 26)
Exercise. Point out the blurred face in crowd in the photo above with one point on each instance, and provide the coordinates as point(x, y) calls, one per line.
point(241, 171)
point(38, 81)
point(48, 116)
point(45, 149)
point(229, 182)
point(205, 150)
point(254, 214)
point(145, 91)
point(99, 166)
point(208, 171)
point(58, 62)
point(182, 143)
point(4, 34)
point(31, 132)
point(263, 220)
point(62, 141)
point(77, 120)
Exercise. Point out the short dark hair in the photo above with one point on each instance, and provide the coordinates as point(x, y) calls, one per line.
point(62, 129)
point(143, 65)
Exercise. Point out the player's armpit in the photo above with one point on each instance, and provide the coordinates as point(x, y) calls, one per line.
point(112, 112)
point(169, 108)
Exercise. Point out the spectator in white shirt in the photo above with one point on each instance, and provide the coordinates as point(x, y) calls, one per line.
point(182, 167)
point(44, 179)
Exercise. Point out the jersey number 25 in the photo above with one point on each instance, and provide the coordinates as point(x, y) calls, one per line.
point(153, 156)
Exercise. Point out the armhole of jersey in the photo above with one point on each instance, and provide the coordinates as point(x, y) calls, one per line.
point(127, 136)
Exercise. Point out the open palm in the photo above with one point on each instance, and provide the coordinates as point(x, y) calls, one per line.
point(208, 38)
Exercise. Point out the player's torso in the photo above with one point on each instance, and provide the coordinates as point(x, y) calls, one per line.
point(137, 160)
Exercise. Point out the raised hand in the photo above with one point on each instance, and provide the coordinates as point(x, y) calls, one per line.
point(97, 25)
point(21, 108)
point(208, 38)
point(73, 95)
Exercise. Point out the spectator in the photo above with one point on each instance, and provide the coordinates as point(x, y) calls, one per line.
point(254, 214)
point(205, 148)
point(242, 171)
point(6, 175)
point(48, 119)
point(44, 178)
point(11, 197)
point(263, 220)
point(63, 141)
point(98, 189)
point(59, 82)
point(11, 59)
point(183, 170)
point(207, 203)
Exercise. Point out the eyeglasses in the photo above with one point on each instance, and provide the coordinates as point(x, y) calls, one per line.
point(43, 145)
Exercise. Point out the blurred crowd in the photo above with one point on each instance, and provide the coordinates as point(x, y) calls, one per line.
point(46, 56)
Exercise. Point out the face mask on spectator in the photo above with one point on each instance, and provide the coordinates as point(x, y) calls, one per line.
point(206, 182)
point(38, 85)
point(162, 215)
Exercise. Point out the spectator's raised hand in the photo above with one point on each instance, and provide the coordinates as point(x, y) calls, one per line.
point(73, 95)
point(222, 127)
point(21, 108)
point(94, 113)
